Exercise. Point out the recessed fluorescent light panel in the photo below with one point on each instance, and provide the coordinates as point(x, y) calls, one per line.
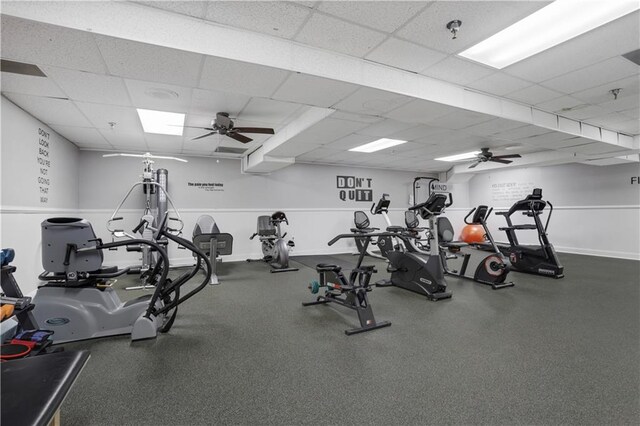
point(460, 157)
point(161, 122)
point(377, 145)
point(556, 23)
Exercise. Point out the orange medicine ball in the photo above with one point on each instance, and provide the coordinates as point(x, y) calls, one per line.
point(472, 234)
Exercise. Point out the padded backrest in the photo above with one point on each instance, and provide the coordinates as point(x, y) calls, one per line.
point(57, 234)
point(445, 230)
point(265, 228)
point(411, 219)
point(480, 215)
point(361, 220)
point(205, 225)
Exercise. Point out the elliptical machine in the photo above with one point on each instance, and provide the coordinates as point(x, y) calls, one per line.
point(275, 250)
point(411, 268)
point(539, 259)
point(77, 301)
point(470, 260)
point(351, 292)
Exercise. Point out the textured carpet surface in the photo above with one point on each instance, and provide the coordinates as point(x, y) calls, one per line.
point(246, 352)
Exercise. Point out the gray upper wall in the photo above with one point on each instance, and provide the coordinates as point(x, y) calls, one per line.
point(105, 181)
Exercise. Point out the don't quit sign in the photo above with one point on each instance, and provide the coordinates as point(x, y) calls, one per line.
point(354, 188)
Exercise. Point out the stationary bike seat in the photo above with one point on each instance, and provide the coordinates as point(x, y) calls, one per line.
point(326, 267)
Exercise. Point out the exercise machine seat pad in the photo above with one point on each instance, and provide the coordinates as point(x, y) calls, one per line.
point(445, 230)
point(205, 225)
point(265, 227)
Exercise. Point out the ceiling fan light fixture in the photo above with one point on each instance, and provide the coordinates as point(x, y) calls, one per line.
point(555, 23)
point(161, 122)
point(378, 145)
point(459, 157)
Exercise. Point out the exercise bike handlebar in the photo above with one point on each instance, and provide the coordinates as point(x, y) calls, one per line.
point(374, 234)
point(486, 216)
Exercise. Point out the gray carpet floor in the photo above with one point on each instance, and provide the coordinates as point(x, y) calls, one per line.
point(246, 352)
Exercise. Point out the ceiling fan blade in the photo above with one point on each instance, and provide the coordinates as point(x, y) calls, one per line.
point(474, 164)
point(265, 130)
point(204, 136)
point(193, 127)
point(169, 158)
point(239, 137)
point(508, 156)
point(497, 160)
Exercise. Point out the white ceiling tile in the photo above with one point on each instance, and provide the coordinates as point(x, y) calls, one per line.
point(210, 102)
point(268, 111)
point(326, 131)
point(553, 140)
point(159, 96)
point(141, 61)
point(621, 104)
point(385, 128)
point(348, 142)
point(164, 143)
point(362, 118)
point(126, 118)
point(461, 119)
point(89, 87)
point(42, 44)
point(611, 120)
point(124, 140)
point(311, 90)
point(521, 132)
point(420, 111)
point(405, 55)
point(457, 70)
point(333, 34)
point(628, 87)
point(281, 19)
point(595, 75)
point(492, 127)
point(318, 153)
point(418, 132)
point(192, 8)
point(613, 39)
point(560, 104)
point(533, 95)
point(50, 111)
point(386, 16)
point(480, 19)
point(632, 126)
point(30, 85)
point(499, 84)
point(84, 137)
point(593, 148)
point(240, 77)
point(367, 100)
point(584, 112)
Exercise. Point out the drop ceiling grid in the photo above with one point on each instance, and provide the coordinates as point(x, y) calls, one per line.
point(89, 87)
point(39, 43)
point(311, 90)
point(141, 61)
point(280, 19)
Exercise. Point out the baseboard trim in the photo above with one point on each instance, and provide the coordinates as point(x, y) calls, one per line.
point(599, 253)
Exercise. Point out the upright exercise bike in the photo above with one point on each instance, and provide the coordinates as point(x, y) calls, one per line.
point(412, 268)
point(275, 250)
point(540, 259)
point(350, 292)
point(469, 260)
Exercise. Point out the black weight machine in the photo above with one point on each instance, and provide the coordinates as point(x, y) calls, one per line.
point(351, 292)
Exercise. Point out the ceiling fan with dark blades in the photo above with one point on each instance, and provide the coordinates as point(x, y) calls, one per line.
point(223, 125)
point(487, 155)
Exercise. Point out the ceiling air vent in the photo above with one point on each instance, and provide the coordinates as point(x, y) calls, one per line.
point(230, 150)
point(21, 68)
point(633, 56)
